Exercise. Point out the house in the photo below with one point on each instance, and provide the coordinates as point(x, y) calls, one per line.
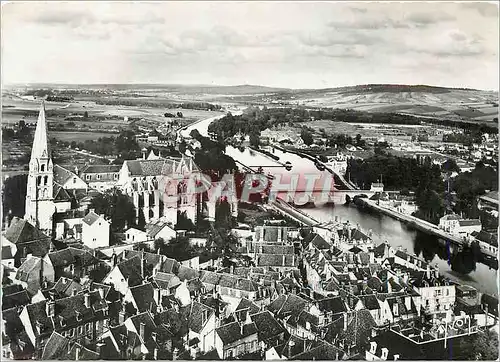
point(142, 298)
point(95, 230)
point(160, 229)
point(453, 224)
point(125, 274)
point(23, 238)
point(377, 187)
point(80, 318)
point(133, 235)
point(201, 321)
point(488, 242)
point(137, 337)
point(33, 272)
point(489, 202)
point(74, 262)
point(436, 294)
point(100, 177)
point(270, 331)
point(68, 180)
point(236, 339)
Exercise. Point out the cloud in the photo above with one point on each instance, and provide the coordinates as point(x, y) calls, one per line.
point(484, 9)
point(425, 19)
point(367, 23)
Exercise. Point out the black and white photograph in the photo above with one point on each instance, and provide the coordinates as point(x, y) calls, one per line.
point(249, 180)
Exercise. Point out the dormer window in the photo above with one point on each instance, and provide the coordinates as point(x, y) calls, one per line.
point(78, 316)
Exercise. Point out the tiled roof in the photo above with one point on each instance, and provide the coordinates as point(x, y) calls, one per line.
point(234, 282)
point(484, 236)
point(277, 260)
point(197, 315)
point(245, 303)
point(320, 243)
point(101, 169)
point(60, 194)
point(324, 351)
point(55, 347)
point(166, 280)
point(369, 301)
point(143, 296)
point(334, 305)
point(84, 354)
point(65, 286)
point(187, 273)
point(151, 167)
point(90, 218)
point(17, 299)
point(267, 326)
point(131, 269)
point(469, 222)
point(209, 277)
point(153, 228)
point(62, 175)
point(289, 304)
point(24, 272)
point(72, 255)
point(21, 231)
point(231, 332)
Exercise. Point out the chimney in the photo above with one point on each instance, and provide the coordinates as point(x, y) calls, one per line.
point(175, 353)
point(87, 300)
point(101, 293)
point(242, 324)
point(291, 344)
point(143, 261)
point(50, 307)
point(428, 272)
point(153, 336)
point(231, 269)
point(155, 353)
point(91, 210)
point(98, 347)
point(38, 326)
point(141, 330)
point(77, 353)
point(345, 321)
point(283, 260)
point(121, 317)
point(396, 357)
point(436, 271)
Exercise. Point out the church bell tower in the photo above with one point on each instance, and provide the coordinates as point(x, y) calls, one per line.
point(40, 206)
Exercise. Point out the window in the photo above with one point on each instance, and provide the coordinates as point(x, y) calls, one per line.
point(74, 180)
point(71, 332)
point(80, 329)
point(87, 177)
point(42, 168)
point(115, 176)
point(98, 176)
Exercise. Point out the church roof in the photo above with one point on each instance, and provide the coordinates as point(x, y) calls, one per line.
point(158, 167)
point(40, 144)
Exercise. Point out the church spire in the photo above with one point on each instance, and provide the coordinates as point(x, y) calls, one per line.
point(40, 143)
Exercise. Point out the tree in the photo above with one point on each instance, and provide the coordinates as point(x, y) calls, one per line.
point(254, 140)
point(115, 206)
point(450, 166)
point(14, 195)
point(223, 217)
point(307, 137)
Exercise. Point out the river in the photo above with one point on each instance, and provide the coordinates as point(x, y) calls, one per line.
point(383, 228)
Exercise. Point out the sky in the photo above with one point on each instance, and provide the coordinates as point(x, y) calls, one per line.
point(282, 44)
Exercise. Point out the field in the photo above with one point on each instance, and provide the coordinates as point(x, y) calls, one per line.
point(79, 136)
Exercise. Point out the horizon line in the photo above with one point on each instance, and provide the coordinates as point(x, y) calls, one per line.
point(242, 85)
